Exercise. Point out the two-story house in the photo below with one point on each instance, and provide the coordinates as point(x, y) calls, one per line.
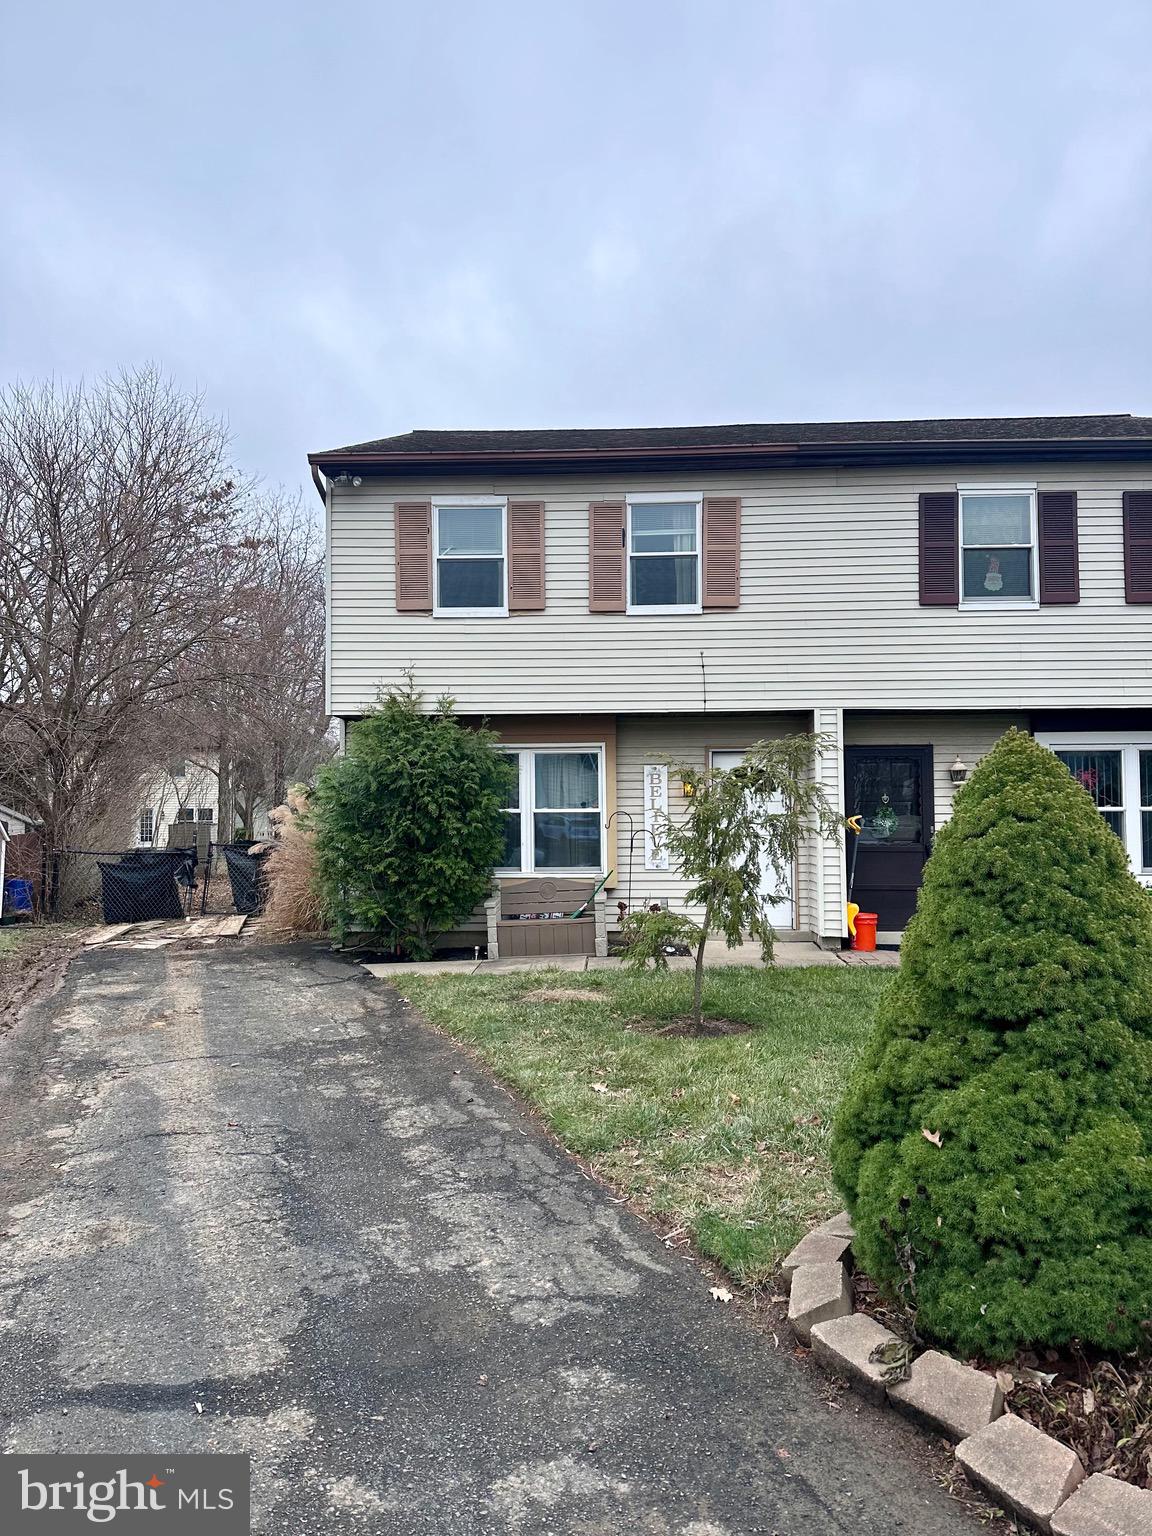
point(615, 601)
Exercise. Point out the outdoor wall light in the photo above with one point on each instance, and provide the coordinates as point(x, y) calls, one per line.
point(958, 772)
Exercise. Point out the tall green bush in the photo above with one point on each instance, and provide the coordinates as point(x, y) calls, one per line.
point(408, 823)
point(995, 1142)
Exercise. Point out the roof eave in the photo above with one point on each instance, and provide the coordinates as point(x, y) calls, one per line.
point(781, 455)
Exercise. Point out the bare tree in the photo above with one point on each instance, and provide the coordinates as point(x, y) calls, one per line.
point(120, 555)
point(258, 708)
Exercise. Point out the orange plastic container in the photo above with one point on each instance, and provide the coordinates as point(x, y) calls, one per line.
point(865, 935)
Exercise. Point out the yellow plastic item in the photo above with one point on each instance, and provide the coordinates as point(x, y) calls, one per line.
point(853, 907)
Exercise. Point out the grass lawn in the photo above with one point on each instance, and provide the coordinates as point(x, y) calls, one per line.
point(11, 939)
point(723, 1137)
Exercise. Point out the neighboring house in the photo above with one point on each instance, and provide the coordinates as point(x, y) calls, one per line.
point(613, 601)
point(186, 791)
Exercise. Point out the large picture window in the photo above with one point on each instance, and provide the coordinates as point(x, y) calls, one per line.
point(470, 559)
point(663, 556)
point(553, 818)
point(1118, 776)
point(998, 546)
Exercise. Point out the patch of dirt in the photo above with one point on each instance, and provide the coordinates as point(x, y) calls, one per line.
point(32, 968)
point(376, 956)
point(686, 1027)
point(562, 995)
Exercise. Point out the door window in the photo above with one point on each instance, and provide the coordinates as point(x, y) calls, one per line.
point(888, 795)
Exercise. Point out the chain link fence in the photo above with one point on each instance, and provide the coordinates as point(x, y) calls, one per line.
point(137, 885)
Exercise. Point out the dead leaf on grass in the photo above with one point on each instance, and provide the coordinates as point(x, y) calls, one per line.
point(599, 1087)
point(934, 1137)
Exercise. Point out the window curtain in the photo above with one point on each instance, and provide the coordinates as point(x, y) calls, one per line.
point(567, 780)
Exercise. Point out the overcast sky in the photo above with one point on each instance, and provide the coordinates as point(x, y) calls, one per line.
point(341, 221)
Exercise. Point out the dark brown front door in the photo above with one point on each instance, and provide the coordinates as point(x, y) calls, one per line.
point(890, 789)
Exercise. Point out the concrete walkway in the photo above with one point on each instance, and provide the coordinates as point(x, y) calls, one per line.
point(716, 952)
point(250, 1202)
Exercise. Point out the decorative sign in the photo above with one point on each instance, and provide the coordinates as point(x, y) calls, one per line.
point(655, 810)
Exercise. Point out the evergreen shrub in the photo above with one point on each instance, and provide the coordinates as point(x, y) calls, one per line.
point(408, 823)
point(1017, 1035)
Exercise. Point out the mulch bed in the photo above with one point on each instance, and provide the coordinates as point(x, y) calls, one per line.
point(1102, 1408)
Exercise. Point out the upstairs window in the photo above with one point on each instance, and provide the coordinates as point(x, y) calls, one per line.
point(663, 543)
point(552, 819)
point(470, 559)
point(147, 824)
point(998, 546)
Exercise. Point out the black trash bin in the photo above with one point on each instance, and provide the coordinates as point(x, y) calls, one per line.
point(134, 892)
point(246, 876)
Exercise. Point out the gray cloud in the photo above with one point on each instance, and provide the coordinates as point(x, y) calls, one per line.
point(345, 221)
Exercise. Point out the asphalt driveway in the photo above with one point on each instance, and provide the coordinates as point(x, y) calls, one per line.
point(250, 1202)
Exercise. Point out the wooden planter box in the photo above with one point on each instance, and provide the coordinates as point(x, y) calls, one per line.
point(512, 936)
point(547, 936)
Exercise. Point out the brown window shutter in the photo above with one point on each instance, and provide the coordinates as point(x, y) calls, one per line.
point(1059, 547)
point(606, 573)
point(1138, 546)
point(414, 557)
point(525, 556)
point(939, 549)
point(721, 585)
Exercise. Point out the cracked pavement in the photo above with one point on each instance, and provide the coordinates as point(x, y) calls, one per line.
point(250, 1202)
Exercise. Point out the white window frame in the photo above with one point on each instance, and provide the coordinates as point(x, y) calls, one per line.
point(658, 498)
point(468, 501)
point(527, 808)
point(150, 812)
point(1130, 746)
point(1000, 604)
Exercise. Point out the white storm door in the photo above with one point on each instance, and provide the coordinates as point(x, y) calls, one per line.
point(781, 914)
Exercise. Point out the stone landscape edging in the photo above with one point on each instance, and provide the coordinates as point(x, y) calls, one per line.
point(1037, 1477)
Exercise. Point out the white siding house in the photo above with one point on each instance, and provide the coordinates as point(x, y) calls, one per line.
point(908, 589)
point(186, 790)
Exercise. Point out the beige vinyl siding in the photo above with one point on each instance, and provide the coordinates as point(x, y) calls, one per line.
point(829, 608)
point(644, 739)
point(967, 736)
point(683, 739)
point(820, 886)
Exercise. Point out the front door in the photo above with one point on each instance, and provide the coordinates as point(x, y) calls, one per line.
point(781, 914)
point(890, 789)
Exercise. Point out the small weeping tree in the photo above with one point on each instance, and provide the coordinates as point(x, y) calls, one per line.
point(739, 835)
